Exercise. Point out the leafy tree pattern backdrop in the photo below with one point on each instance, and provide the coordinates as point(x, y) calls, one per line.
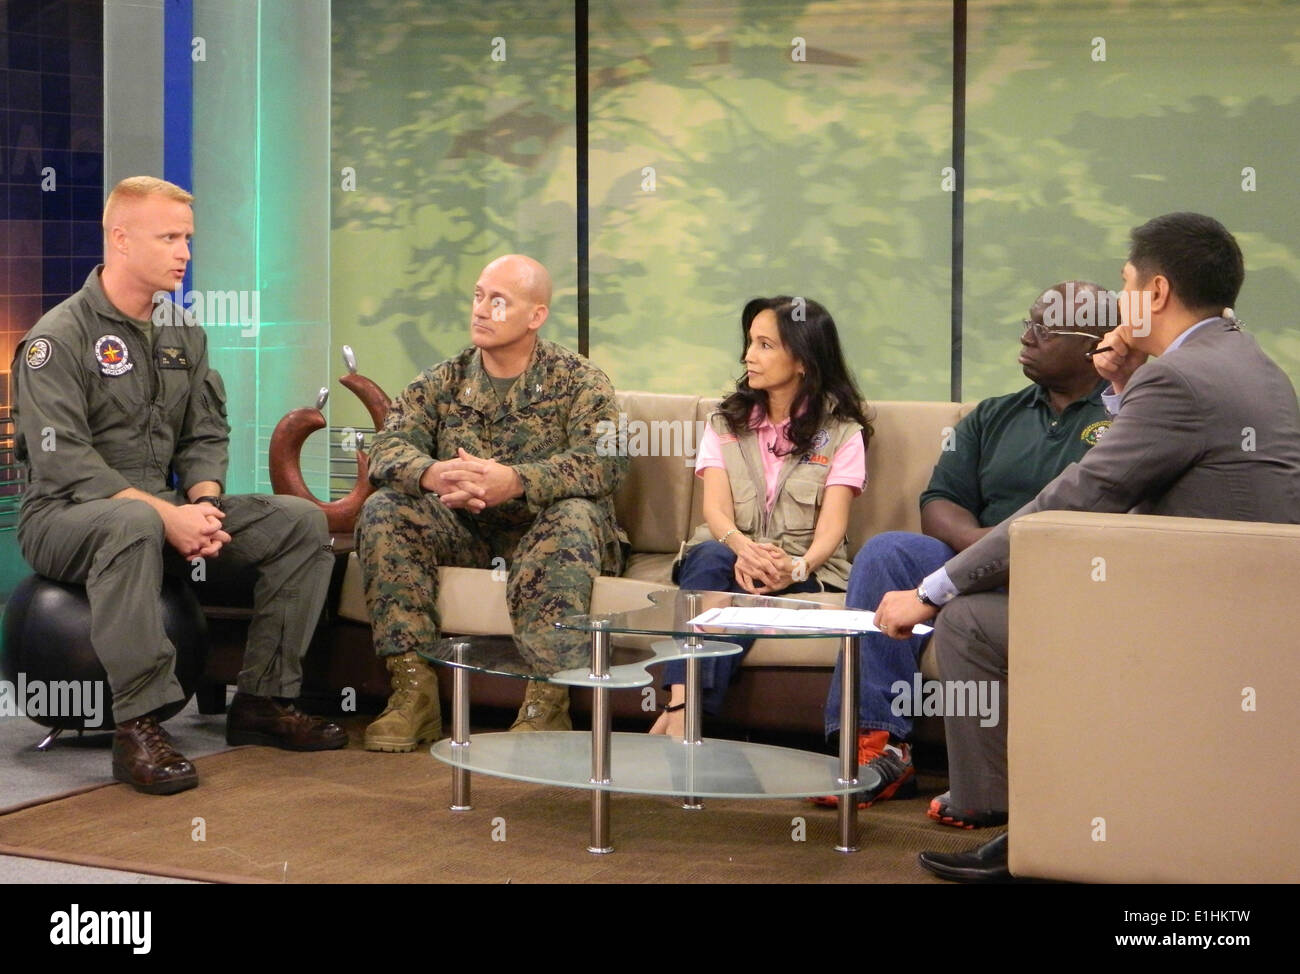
point(763, 147)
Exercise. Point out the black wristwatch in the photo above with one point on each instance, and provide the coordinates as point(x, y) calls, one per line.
point(922, 597)
point(212, 499)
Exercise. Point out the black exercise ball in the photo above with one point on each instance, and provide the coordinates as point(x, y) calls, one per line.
point(47, 638)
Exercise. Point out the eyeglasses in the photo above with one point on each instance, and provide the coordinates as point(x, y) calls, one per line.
point(1042, 332)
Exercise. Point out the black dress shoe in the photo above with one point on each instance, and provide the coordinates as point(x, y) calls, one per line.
point(987, 864)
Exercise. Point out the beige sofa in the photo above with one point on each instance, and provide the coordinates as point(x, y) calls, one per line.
point(784, 682)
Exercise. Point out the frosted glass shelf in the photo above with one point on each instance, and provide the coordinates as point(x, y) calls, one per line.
point(651, 764)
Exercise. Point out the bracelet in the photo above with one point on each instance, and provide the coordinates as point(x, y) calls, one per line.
point(799, 570)
point(674, 707)
point(723, 539)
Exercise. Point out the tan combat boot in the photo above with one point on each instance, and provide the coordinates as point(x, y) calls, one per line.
point(414, 713)
point(545, 708)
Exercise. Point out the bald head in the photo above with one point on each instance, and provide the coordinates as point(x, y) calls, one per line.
point(1080, 306)
point(530, 278)
point(511, 302)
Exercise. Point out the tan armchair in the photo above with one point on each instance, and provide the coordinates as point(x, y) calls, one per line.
point(1154, 677)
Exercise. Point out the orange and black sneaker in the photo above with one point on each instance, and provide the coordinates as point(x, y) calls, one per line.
point(892, 762)
point(941, 810)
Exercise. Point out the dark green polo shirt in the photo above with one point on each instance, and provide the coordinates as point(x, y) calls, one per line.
point(1009, 447)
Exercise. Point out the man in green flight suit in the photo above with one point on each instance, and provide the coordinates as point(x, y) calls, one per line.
point(123, 429)
point(490, 458)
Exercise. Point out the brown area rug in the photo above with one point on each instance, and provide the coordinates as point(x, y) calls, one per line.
point(355, 817)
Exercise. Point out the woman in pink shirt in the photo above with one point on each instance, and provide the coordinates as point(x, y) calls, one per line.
point(781, 460)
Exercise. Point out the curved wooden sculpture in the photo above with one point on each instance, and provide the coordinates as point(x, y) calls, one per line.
point(291, 432)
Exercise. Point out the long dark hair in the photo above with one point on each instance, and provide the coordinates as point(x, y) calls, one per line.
point(827, 388)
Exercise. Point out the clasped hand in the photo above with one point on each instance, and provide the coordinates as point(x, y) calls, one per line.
point(472, 483)
point(762, 567)
point(195, 530)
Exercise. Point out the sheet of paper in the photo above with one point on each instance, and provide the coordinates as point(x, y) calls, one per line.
point(755, 617)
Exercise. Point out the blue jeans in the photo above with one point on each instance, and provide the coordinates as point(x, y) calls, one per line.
point(889, 562)
point(710, 567)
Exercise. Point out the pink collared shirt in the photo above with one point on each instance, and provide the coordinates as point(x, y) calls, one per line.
point(848, 466)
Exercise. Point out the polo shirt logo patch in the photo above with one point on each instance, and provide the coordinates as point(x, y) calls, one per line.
point(112, 355)
point(38, 353)
point(1093, 433)
point(170, 357)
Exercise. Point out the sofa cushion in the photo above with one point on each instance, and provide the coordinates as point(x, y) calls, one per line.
point(651, 567)
point(471, 601)
point(900, 459)
point(653, 503)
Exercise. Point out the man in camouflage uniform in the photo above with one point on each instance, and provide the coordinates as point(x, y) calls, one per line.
point(491, 454)
point(123, 428)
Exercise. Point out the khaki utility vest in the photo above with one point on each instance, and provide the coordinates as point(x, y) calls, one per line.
point(799, 490)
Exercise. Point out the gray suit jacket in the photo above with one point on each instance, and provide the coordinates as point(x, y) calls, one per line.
point(1211, 429)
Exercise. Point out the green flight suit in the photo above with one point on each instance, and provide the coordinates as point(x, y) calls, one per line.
point(555, 540)
point(103, 403)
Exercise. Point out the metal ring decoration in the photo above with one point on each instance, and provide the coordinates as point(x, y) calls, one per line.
point(285, 455)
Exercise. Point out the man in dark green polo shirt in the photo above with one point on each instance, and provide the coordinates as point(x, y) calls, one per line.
point(994, 462)
point(123, 429)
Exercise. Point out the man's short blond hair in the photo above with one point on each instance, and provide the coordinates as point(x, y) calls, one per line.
point(139, 187)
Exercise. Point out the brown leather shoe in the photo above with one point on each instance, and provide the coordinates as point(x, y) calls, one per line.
point(143, 757)
point(266, 721)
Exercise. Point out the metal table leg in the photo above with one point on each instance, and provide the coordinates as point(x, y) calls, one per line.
point(600, 743)
point(460, 801)
point(694, 731)
point(848, 743)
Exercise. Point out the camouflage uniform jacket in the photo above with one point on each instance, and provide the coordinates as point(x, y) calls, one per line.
point(101, 406)
point(547, 430)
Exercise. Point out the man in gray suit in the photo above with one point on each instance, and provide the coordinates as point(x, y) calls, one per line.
point(1178, 447)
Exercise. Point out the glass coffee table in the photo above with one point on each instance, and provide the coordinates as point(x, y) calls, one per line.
point(640, 763)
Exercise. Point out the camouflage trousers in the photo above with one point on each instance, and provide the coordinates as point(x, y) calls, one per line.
point(550, 565)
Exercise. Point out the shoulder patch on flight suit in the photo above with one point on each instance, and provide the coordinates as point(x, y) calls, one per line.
point(112, 355)
point(38, 353)
point(172, 357)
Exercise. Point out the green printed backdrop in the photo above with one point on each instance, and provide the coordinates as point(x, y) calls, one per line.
point(458, 157)
point(722, 166)
point(1065, 153)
